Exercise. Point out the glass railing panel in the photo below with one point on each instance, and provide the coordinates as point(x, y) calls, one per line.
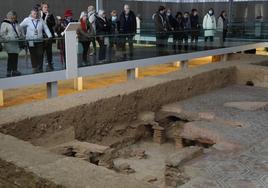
point(24, 57)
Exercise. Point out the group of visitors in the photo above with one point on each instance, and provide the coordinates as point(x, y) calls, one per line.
point(113, 31)
point(185, 25)
point(109, 31)
point(37, 26)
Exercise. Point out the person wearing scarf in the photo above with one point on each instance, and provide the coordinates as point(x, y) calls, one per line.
point(11, 31)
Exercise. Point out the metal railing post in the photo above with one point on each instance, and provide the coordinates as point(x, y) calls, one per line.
point(132, 74)
point(52, 89)
point(184, 65)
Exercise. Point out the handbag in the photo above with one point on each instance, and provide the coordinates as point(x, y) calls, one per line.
point(22, 43)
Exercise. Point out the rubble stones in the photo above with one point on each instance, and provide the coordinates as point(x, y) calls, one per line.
point(150, 179)
point(174, 171)
point(125, 168)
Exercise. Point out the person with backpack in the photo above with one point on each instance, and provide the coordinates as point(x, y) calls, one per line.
point(12, 32)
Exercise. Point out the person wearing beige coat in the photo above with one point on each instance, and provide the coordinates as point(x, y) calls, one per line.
point(11, 32)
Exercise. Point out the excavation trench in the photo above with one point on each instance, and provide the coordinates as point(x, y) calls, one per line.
point(138, 130)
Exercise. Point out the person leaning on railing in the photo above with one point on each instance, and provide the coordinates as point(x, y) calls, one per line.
point(34, 34)
point(11, 32)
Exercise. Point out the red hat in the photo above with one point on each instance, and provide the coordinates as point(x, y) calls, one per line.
point(68, 13)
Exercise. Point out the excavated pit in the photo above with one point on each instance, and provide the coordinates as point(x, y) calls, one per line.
point(149, 133)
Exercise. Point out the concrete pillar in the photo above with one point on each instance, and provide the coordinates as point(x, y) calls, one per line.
point(78, 83)
point(132, 74)
point(52, 89)
point(1, 98)
point(184, 65)
point(224, 58)
point(176, 64)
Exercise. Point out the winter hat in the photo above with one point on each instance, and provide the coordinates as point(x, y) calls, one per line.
point(11, 14)
point(84, 13)
point(68, 13)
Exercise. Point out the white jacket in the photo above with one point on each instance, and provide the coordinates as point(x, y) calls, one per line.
point(209, 25)
point(9, 34)
point(30, 23)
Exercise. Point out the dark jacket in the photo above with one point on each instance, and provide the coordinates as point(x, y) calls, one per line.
point(129, 24)
point(171, 22)
point(186, 23)
point(50, 21)
point(102, 26)
point(160, 23)
point(194, 21)
point(179, 25)
point(115, 26)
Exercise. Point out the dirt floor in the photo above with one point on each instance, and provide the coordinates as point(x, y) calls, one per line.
point(154, 163)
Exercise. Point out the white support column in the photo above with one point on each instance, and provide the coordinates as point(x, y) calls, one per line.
point(71, 51)
point(52, 89)
point(99, 5)
point(78, 83)
point(184, 65)
point(1, 98)
point(132, 74)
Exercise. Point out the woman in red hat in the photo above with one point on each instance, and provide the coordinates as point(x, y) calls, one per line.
point(60, 28)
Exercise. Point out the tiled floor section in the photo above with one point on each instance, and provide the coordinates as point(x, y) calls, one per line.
point(247, 168)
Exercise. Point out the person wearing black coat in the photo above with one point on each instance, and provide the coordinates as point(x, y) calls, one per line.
point(102, 28)
point(49, 19)
point(194, 27)
point(127, 28)
point(161, 29)
point(178, 31)
point(186, 29)
point(171, 22)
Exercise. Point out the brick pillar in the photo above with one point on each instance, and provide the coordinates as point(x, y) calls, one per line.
point(159, 134)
